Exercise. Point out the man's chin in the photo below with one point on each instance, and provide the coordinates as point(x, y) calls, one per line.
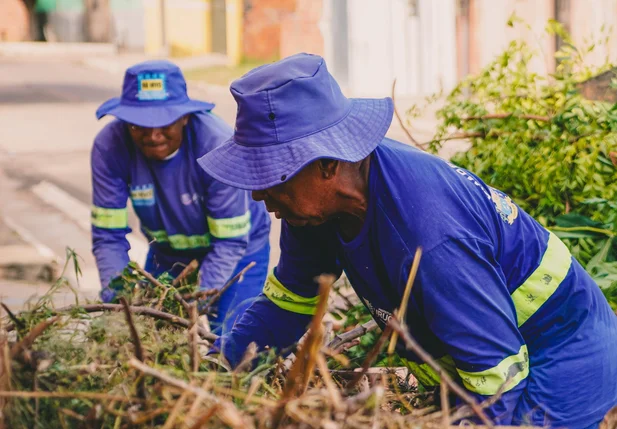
point(304, 222)
point(297, 222)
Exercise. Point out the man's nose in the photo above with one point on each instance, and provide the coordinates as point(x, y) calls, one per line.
point(155, 135)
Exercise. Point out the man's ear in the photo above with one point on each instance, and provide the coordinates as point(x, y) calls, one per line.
point(328, 167)
point(185, 120)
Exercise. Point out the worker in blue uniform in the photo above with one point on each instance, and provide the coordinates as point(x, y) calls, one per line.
point(148, 155)
point(498, 299)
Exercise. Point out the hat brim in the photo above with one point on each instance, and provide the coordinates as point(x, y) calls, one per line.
point(151, 116)
point(260, 167)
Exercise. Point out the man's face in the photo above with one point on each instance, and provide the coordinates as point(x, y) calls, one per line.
point(158, 143)
point(305, 199)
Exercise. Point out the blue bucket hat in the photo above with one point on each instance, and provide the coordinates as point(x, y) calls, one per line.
point(153, 95)
point(291, 113)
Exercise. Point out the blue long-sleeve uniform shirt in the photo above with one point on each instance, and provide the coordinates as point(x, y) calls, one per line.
point(497, 299)
point(184, 213)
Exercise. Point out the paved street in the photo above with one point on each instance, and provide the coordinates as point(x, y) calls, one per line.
point(47, 124)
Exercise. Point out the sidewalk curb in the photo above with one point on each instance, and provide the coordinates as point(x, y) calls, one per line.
point(53, 49)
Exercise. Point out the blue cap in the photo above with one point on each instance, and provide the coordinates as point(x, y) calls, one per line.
point(291, 113)
point(153, 95)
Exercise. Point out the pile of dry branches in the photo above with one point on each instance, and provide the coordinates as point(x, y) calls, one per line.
point(121, 366)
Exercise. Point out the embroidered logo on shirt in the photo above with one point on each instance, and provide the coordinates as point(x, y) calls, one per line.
point(505, 207)
point(143, 195)
point(187, 199)
point(152, 86)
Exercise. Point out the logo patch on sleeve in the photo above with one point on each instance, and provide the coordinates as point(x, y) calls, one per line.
point(143, 196)
point(152, 86)
point(508, 211)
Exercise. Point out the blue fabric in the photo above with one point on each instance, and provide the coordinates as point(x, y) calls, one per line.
point(234, 302)
point(290, 113)
point(183, 196)
point(479, 247)
point(153, 95)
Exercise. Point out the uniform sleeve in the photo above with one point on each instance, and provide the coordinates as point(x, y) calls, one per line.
point(280, 316)
point(467, 305)
point(229, 223)
point(109, 212)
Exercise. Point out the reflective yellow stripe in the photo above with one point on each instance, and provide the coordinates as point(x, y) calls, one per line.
point(544, 281)
point(109, 218)
point(180, 241)
point(286, 299)
point(513, 369)
point(426, 375)
point(230, 227)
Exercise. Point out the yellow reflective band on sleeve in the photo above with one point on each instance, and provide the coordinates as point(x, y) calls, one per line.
point(286, 299)
point(512, 369)
point(180, 241)
point(230, 227)
point(426, 375)
point(109, 218)
point(544, 281)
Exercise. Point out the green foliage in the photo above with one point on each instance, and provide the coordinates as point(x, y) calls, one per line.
point(536, 138)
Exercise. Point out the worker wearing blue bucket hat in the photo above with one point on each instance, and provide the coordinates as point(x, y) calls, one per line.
point(148, 155)
point(497, 299)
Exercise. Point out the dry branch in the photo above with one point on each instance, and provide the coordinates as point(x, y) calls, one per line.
point(221, 291)
point(139, 351)
point(345, 337)
point(227, 412)
point(400, 121)
point(27, 341)
point(412, 345)
point(187, 271)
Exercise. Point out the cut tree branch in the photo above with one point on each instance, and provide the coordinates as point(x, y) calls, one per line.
point(345, 337)
point(139, 352)
point(227, 285)
point(400, 121)
point(146, 311)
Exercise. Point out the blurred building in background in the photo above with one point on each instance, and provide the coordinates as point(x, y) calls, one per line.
point(425, 44)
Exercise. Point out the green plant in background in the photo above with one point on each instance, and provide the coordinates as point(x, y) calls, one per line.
point(539, 140)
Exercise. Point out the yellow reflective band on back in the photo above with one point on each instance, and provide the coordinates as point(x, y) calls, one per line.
point(512, 369)
point(426, 375)
point(286, 299)
point(230, 227)
point(544, 281)
point(180, 241)
point(109, 218)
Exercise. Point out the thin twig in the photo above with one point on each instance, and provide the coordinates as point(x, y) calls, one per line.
point(405, 301)
point(302, 369)
point(227, 285)
point(14, 318)
point(207, 416)
point(146, 311)
point(160, 285)
point(72, 395)
point(192, 333)
point(139, 352)
point(341, 339)
point(228, 412)
point(412, 345)
point(370, 357)
point(445, 406)
point(187, 271)
point(27, 341)
point(400, 121)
